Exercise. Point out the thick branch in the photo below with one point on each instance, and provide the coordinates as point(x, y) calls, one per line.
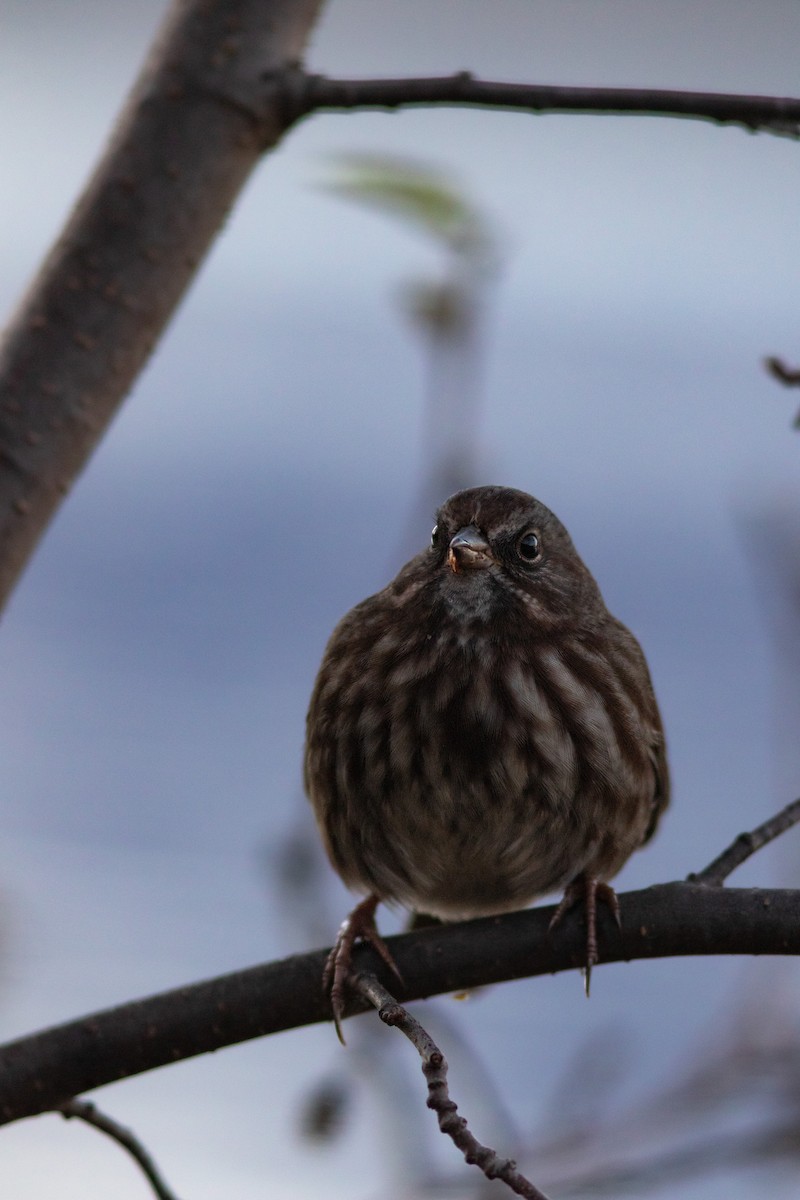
point(192, 130)
point(312, 93)
point(42, 1072)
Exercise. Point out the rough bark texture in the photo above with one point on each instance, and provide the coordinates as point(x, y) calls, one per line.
point(194, 126)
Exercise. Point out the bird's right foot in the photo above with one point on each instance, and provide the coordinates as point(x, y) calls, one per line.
point(359, 926)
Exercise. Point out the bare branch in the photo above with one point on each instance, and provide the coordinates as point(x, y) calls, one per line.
point(304, 93)
point(745, 845)
point(89, 1113)
point(193, 128)
point(780, 371)
point(43, 1071)
point(434, 1068)
point(788, 376)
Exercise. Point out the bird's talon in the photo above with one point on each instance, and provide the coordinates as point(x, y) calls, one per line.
point(359, 926)
point(589, 890)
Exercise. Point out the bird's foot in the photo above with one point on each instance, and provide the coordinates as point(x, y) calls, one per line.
point(590, 890)
point(359, 926)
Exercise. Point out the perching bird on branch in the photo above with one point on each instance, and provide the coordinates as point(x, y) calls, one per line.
point(483, 732)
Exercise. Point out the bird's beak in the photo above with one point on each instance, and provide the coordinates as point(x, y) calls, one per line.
point(468, 549)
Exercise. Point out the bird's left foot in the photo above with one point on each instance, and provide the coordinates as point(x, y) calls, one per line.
point(359, 926)
point(590, 890)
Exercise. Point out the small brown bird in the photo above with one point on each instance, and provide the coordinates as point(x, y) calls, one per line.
point(482, 732)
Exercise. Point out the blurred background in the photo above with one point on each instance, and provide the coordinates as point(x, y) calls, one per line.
point(273, 466)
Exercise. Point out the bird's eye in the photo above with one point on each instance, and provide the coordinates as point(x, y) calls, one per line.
point(528, 547)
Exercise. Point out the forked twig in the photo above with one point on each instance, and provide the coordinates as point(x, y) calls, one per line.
point(89, 1113)
point(434, 1068)
point(746, 844)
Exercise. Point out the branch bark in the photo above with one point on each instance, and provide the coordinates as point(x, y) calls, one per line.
point(306, 93)
point(42, 1072)
point(193, 128)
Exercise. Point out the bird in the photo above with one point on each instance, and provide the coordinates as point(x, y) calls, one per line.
point(482, 732)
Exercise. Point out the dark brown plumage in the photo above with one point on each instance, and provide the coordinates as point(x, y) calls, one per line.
point(483, 732)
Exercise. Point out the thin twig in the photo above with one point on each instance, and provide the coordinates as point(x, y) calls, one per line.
point(89, 1113)
point(304, 93)
point(780, 371)
point(788, 376)
point(434, 1068)
point(746, 844)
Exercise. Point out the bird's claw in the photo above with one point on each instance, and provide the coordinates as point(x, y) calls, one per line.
point(358, 926)
point(590, 890)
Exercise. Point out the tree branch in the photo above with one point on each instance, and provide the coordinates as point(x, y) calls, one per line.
point(788, 376)
point(194, 126)
point(85, 1111)
point(777, 368)
point(305, 93)
point(745, 845)
point(43, 1071)
point(434, 1068)
point(216, 91)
